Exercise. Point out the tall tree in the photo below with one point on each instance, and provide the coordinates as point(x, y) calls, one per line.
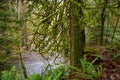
point(22, 8)
point(77, 33)
point(22, 15)
point(102, 21)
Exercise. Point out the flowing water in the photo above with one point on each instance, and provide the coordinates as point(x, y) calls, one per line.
point(35, 63)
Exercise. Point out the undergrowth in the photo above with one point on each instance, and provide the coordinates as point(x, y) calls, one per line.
point(88, 71)
point(55, 74)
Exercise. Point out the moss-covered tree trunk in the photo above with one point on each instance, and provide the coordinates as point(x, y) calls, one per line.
point(22, 64)
point(22, 10)
point(77, 34)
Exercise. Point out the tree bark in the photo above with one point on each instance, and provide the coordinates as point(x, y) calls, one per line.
point(77, 34)
point(22, 10)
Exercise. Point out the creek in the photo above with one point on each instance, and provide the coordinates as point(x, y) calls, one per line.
point(35, 63)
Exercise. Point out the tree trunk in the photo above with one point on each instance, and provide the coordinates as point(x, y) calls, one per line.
point(102, 23)
point(22, 10)
point(77, 34)
point(23, 68)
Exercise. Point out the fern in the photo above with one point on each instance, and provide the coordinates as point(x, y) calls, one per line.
point(55, 74)
point(35, 76)
point(11, 75)
point(88, 70)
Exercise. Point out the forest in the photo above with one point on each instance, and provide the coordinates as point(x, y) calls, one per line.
point(59, 39)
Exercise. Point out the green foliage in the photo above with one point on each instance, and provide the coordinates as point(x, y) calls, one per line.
point(8, 34)
point(35, 76)
point(116, 44)
point(89, 70)
point(5, 62)
point(11, 75)
point(117, 56)
point(91, 51)
point(55, 74)
point(8, 30)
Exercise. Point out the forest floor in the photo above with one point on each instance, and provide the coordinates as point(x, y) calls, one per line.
point(110, 63)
